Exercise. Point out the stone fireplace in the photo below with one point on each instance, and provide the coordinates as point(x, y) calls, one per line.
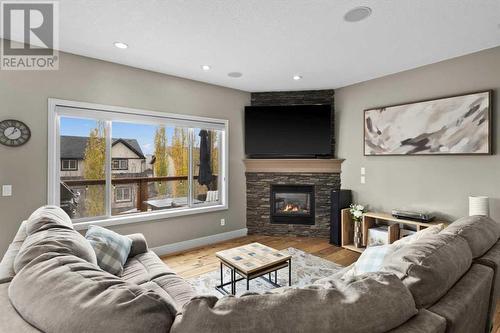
point(290, 196)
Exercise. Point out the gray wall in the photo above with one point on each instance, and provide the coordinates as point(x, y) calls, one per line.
point(24, 95)
point(437, 183)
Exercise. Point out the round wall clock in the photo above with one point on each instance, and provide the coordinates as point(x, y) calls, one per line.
point(14, 133)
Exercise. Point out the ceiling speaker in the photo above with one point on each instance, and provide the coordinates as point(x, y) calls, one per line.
point(357, 14)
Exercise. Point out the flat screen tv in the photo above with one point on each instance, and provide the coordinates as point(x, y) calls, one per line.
point(288, 131)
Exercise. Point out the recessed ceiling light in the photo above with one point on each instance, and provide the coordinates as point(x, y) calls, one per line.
point(120, 45)
point(297, 77)
point(206, 67)
point(357, 14)
point(234, 74)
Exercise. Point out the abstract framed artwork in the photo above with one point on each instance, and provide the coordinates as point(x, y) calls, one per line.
point(453, 125)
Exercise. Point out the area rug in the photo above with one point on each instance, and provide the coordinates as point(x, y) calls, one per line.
point(306, 269)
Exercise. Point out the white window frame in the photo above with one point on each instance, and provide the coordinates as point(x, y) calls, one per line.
point(108, 113)
point(123, 189)
point(120, 161)
point(69, 160)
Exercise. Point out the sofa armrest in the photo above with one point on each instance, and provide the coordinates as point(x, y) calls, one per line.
point(492, 259)
point(7, 264)
point(139, 244)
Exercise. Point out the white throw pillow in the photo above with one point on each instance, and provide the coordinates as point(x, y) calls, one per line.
point(372, 258)
point(434, 229)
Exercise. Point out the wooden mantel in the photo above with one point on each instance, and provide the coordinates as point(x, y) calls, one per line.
point(294, 165)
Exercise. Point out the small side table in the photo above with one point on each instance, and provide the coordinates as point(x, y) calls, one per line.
point(250, 262)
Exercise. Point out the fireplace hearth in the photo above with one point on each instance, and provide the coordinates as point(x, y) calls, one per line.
point(292, 204)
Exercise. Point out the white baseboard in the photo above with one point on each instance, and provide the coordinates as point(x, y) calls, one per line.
point(197, 242)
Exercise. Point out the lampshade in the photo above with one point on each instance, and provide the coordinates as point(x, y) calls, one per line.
point(479, 205)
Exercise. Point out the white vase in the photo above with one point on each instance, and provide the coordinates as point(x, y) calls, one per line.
point(358, 234)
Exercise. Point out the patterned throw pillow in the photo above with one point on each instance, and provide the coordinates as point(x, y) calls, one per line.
point(372, 258)
point(111, 249)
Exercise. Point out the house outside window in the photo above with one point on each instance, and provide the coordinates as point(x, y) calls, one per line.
point(119, 164)
point(123, 194)
point(135, 165)
point(69, 165)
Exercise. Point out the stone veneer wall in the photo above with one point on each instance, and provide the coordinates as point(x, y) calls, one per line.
point(258, 184)
point(258, 202)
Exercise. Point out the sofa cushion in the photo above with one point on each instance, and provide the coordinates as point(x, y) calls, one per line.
point(372, 303)
point(152, 286)
point(144, 267)
point(111, 248)
point(179, 289)
point(54, 240)
point(10, 320)
point(47, 217)
point(481, 232)
point(49, 229)
point(429, 267)
point(424, 322)
point(60, 293)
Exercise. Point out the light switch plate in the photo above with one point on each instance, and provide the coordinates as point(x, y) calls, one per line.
point(363, 179)
point(363, 171)
point(6, 190)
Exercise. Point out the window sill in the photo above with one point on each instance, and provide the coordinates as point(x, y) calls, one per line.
point(143, 217)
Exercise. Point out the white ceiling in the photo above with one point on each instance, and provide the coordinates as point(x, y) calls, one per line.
point(271, 40)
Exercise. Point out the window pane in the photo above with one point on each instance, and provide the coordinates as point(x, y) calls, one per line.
point(83, 157)
point(151, 162)
point(123, 194)
point(206, 166)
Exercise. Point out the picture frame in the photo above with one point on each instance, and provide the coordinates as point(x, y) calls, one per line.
point(450, 125)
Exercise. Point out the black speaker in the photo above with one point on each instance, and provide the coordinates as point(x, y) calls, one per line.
point(340, 199)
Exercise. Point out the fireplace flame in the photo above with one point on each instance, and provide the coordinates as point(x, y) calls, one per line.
point(291, 208)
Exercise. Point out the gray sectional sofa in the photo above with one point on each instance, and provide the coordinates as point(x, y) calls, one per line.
point(49, 282)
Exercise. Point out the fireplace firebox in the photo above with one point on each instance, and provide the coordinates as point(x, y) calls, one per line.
point(292, 204)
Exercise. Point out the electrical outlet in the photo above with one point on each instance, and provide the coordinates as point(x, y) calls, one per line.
point(222, 222)
point(363, 179)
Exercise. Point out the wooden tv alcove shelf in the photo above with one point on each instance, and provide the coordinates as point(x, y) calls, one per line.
point(370, 219)
point(293, 165)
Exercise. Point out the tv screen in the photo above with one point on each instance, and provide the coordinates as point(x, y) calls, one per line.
point(288, 131)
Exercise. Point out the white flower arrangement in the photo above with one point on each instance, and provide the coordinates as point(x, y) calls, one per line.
point(357, 211)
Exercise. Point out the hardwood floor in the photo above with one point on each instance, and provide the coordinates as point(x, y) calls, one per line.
point(202, 260)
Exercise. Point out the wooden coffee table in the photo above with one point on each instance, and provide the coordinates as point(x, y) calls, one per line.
point(252, 261)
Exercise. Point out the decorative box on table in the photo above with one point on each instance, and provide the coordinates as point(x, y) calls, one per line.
point(378, 236)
